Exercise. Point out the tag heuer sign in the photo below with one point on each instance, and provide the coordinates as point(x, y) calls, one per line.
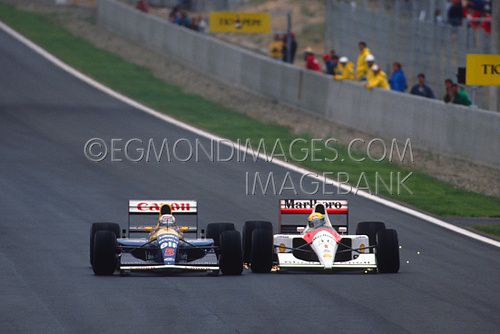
point(483, 70)
point(247, 23)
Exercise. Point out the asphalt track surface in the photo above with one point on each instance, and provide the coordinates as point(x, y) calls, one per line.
point(50, 193)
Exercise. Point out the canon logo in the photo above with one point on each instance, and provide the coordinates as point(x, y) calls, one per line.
point(155, 207)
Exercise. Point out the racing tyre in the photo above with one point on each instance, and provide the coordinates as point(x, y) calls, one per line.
point(387, 251)
point(230, 260)
point(370, 229)
point(105, 259)
point(261, 254)
point(214, 231)
point(248, 228)
point(113, 227)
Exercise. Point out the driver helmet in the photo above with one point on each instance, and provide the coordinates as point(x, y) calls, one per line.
point(316, 220)
point(167, 221)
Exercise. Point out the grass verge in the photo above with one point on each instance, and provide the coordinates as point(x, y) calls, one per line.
point(140, 84)
point(493, 230)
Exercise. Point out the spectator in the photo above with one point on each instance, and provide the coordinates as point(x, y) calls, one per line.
point(311, 61)
point(202, 24)
point(421, 89)
point(398, 78)
point(486, 24)
point(276, 48)
point(456, 13)
point(335, 61)
point(438, 17)
point(460, 96)
point(333, 53)
point(362, 65)
point(183, 19)
point(475, 9)
point(293, 48)
point(448, 85)
point(194, 23)
point(143, 6)
point(329, 65)
point(174, 13)
point(345, 70)
point(378, 79)
point(370, 61)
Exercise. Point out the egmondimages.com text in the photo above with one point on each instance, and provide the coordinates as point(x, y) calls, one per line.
point(321, 154)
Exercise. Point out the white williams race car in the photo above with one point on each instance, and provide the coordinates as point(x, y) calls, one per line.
point(320, 242)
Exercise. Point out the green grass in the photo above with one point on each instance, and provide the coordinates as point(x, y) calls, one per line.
point(488, 229)
point(140, 84)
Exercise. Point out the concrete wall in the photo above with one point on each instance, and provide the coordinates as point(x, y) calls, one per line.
point(454, 131)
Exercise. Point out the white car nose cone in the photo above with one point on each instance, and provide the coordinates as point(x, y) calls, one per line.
point(325, 247)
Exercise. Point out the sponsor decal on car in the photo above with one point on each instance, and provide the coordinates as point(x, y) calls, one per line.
point(292, 206)
point(169, 252)
point(309, 237)
point(168, 244)
point(153, 206)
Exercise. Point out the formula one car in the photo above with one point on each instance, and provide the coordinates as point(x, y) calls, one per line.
point(164, 248)
point(320, 245)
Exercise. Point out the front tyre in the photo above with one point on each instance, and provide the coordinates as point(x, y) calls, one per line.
point(214, 231)
point(370, 229)
point(230, 258)
point(387, 251)
point(105, 259)
point(113, 227)
point(247, 231)
point(262, 251)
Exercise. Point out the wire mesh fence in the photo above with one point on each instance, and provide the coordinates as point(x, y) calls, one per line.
point(414, 33)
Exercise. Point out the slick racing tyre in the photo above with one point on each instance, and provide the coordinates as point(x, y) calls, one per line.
point(112, 227)
point(105, 258)
point(248, 228)
point(230, 260)
point(370, 229)
point(214, 231)
point(261, 253)
point(387, 251)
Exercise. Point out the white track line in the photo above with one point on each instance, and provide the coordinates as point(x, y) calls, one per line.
point(225, 141)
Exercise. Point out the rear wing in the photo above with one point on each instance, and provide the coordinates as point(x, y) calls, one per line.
point(306, 207)
point(152, 208)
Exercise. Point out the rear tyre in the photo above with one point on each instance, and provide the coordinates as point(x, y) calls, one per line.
point(370, 229)
point(387, 251)
point(105, 259)
point(248, 228)
point(230, 259)
point(112, 227)
point(214, 231)
point(261, 254)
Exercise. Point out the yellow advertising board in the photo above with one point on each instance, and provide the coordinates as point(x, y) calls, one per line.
point(246, 23)
point(482, 70)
